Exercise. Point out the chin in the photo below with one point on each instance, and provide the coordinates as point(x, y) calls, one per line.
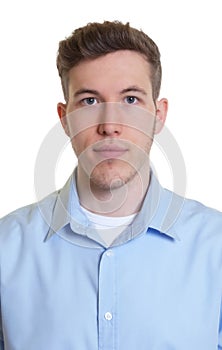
point(109, 178)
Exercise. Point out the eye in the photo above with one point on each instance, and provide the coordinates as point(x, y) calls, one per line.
point(131, 100)
point(89, 101)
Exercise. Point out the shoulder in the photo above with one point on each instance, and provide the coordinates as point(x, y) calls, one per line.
point(194, 216)
point(201, 213)
point(28, 219)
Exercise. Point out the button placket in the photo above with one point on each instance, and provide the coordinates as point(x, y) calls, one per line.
point(106, 301)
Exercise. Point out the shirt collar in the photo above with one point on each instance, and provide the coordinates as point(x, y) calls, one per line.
point(159, 212)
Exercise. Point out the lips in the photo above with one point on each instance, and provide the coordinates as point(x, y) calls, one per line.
point(110, 151)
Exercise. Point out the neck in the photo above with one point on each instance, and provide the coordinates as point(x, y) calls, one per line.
point(122, 201)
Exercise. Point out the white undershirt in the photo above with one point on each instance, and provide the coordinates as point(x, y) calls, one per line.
point(108, 227)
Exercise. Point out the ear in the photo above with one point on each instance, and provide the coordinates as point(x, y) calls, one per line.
point(161, 114)
point(61, 110)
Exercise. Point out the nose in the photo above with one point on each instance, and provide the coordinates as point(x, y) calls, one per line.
point(109, 129)
point(109, 123)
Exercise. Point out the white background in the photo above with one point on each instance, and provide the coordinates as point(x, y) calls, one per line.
point(189, 36)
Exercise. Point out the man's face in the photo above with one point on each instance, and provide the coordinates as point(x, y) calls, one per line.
point(111, 117)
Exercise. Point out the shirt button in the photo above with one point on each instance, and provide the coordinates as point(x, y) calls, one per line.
point(108, 316)
point(109, 253)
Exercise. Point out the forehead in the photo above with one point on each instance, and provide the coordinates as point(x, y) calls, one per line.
point(113, 70)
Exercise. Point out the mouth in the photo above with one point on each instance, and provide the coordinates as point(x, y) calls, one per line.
point(110, 151)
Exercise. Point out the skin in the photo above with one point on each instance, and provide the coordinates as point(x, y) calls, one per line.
point(113, 155)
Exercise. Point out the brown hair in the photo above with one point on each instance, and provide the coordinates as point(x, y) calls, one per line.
point(97, 39)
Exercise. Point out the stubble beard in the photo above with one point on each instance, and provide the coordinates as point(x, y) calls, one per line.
point(114, 174)
point(105, 178)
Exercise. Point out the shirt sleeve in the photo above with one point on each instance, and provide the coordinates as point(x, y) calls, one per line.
point(1, 336)
point(1, 332)
point(220, 330)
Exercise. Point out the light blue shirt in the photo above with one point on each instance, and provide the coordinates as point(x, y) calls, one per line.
point(158, 287)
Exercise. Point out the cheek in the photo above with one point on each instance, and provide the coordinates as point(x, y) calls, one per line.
point(141, 139)
point(82, 141)
point(78, 144)
point(141, 128)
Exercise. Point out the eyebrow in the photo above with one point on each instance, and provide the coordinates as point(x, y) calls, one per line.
point(133, 88)
point(85, 91)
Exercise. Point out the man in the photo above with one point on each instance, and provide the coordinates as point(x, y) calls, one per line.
point(112, 260)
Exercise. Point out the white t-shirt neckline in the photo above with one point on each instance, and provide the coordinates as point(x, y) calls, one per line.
point(108, 227)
